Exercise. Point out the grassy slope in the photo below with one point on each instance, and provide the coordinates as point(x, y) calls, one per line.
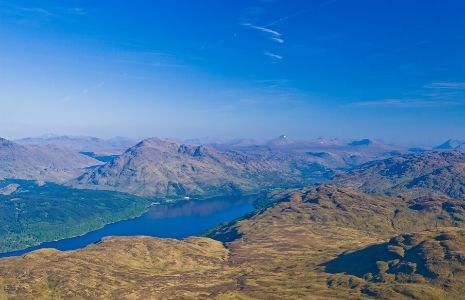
point(279, 253)
point(285, 247)
point(122, 268)
point(34, 214)
point(424, 265)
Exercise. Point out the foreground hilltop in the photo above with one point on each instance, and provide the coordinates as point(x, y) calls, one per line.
point(294, 249)
point(428, 264)
point(122, 268)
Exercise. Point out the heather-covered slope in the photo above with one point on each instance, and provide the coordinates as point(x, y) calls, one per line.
point(122, 268)
point(411, 176)
point(287, 244)
point(425, 265)
point(278, 253)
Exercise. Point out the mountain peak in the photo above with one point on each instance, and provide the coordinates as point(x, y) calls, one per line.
point(162, 145)
point(281, 140)
point(450, 144)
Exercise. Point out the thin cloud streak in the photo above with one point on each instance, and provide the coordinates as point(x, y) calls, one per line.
point(278, 40)
point(46, 13)
point(274, 35)
point(405, 103)
point(273, 55)
point(447, 85)
point(262, 29)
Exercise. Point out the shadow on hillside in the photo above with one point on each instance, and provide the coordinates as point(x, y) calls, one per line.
point(361, 262)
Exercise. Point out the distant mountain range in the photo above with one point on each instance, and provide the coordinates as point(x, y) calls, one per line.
point(156, 167)
point(41, 162)
point(99, 146)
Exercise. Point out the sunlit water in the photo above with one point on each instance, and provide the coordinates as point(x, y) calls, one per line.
point(178, 220)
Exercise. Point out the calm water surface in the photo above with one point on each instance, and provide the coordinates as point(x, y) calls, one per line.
point(178, 220)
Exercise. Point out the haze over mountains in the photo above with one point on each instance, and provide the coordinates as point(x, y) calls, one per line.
point(160, 167)
point(41, 162)
point(116, 145)
point(156, 167)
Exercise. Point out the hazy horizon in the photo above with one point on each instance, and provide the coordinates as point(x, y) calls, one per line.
point(386, 70)
point(214, 139)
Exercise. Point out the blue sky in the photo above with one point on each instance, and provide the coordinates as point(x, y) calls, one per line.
point(389, 69)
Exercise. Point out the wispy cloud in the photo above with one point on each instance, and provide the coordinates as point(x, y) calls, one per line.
point(447, 85)
point(406, 103)
point(262, 29)
point(273, 55)
point(439, 94)
point(271, 34)
point(21, 11)
point(49, 12)
point(278, 40)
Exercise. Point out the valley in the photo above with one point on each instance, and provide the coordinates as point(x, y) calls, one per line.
point(298, 248)
point(167, 220)
point(325, 225)
point(232, 150)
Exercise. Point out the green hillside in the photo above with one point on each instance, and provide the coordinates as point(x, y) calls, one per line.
point(31, 212)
